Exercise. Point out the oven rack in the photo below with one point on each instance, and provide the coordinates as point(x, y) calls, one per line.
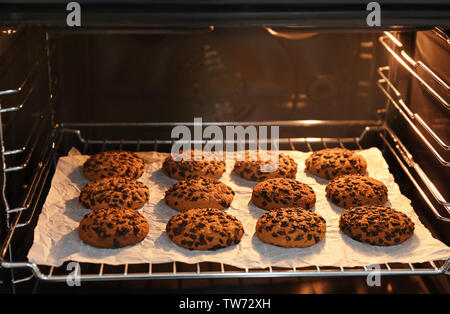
point(176, 270)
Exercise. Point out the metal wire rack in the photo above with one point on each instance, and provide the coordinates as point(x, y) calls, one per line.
point(177, 270)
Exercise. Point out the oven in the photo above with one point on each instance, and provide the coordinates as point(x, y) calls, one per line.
point(134, 70)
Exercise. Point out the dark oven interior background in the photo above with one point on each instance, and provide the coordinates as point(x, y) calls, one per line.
point(224, 75)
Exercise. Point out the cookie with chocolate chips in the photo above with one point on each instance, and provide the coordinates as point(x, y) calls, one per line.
point(376, 225)
point(256, 169)
point(291, 227)
point(199, 192)
point(194, 163)
point(113, 228)
point(330, 163)
point(113, 164)
point(204, 229)
point(283, 193)
point(355, 190)
point(114, 192)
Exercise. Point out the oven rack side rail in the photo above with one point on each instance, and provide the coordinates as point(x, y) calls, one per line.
point(385, 85)
point(410, 65)
point(23, 93)
point(421, 130)
point(410, 117)
point(390, 142)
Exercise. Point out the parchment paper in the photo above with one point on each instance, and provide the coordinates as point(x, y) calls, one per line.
point(56, 239)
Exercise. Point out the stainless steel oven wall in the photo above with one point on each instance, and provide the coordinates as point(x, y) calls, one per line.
point(228, 74)
point(434, 52)
point(25, 120)
point(418, 71)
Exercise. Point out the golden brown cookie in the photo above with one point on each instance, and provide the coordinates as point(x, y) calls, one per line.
point(283, 193)
point(204, 229)
point(199, 192)
point(355, 190)
point(113, 164)
point(376, 225)
point(185, 165)
point(291, 227)
point(113, 228)
point(253, 170)
point(114, 192)
point(330, 163)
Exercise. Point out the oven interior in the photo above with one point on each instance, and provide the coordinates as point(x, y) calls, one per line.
point(102, 89)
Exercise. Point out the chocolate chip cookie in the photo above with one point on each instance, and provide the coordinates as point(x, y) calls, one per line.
point(189, 164)
point(355, 190)
point(256, 169)
point(376, 225)
point(113, 164)
point(199, 192)
point(330, 163)
point(113, 228)
point(204, 229)
point(283, 193)
point(114, 192)
point(291, 227)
